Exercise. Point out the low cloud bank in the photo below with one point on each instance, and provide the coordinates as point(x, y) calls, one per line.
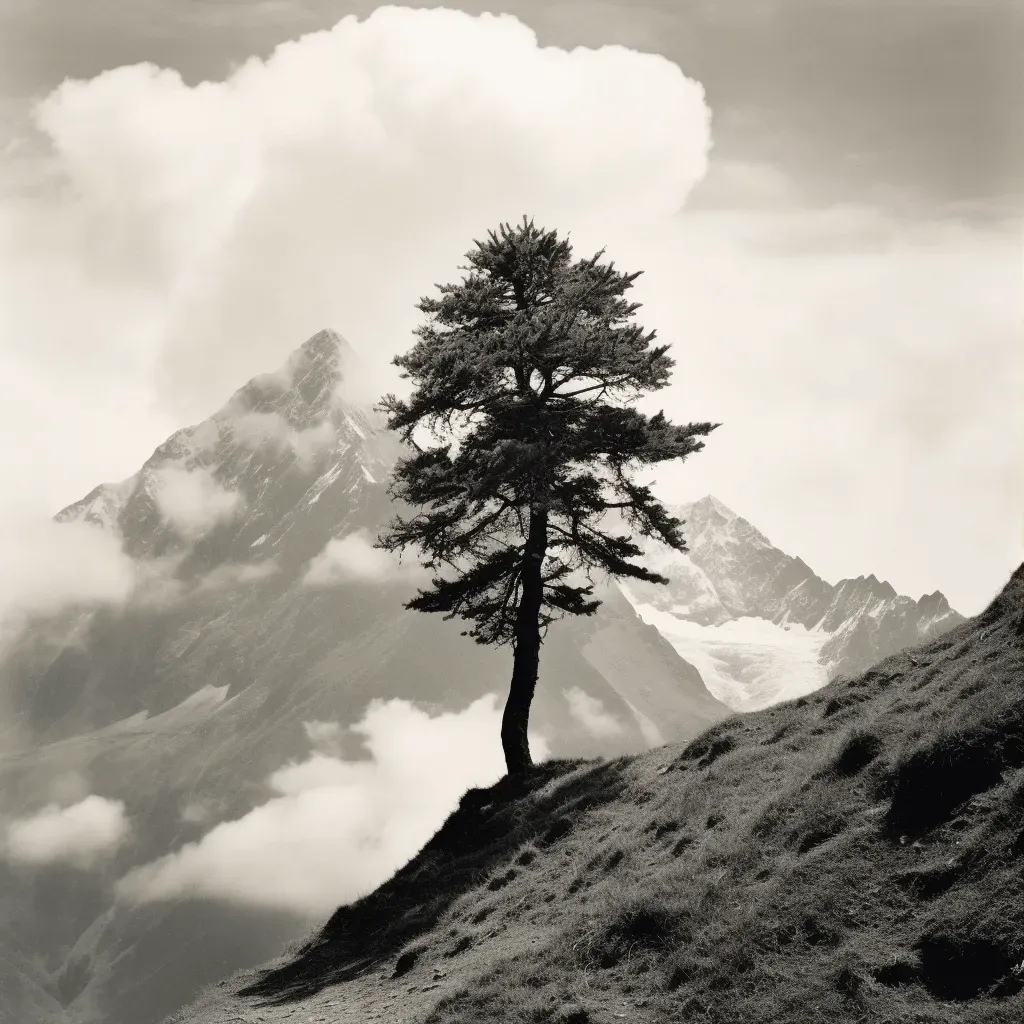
point(192, 500)
point(237, 574)
point(53, 565)
point(253, 429)
point(592, 714)
point(337, 828)
point(80, 835)
point(354, 558)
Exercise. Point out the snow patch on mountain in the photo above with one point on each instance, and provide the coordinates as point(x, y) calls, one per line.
point(759, 624)
point(196, 707)
point(355, 426)
point(747, 663)
point(690, 593)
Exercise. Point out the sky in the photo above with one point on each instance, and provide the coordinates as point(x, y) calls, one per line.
point(824, 197)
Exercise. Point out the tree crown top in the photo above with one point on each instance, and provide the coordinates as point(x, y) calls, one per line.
point(533, 360)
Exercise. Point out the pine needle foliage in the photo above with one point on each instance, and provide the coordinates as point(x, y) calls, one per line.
point(525, 377)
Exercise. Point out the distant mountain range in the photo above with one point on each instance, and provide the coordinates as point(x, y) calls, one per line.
point(760, 625)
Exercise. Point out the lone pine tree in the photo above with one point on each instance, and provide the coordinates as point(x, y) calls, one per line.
point(523, 377)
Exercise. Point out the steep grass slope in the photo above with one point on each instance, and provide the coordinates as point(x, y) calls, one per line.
point(854, 855)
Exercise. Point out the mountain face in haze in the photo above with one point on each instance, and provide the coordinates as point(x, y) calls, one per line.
point(234, 525)
point(761, 625)
point(261, 621)
point(286, 451)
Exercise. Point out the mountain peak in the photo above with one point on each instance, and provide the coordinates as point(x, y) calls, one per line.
point(287, 448)
point(708, 504)
point(883, 587)
point(326, 345)
point(305, 389)
point(935, 601)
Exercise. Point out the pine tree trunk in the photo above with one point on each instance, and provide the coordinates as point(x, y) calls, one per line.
point(516, 719)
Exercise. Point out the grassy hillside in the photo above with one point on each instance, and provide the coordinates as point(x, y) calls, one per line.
point(855, 855)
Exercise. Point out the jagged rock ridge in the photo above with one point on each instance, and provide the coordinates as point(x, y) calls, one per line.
point(733, 572)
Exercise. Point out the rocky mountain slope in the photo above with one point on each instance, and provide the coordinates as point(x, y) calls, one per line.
point(853, 855)
point(760, 624)
point(261, 618)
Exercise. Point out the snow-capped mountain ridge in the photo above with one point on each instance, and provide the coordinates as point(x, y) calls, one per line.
point(733, 573)
point(281, 444)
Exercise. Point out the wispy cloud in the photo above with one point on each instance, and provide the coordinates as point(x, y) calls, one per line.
point(81, 834)
point(591, 713)
point(353, 558)
point(237, 574)
point(192, 500)
point(253, 429)
point(46, 566)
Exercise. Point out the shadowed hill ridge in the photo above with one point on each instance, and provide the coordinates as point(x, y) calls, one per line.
point(853, 855)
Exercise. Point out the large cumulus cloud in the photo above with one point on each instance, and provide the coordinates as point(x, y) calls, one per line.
point(331, 182)
point(186, 237)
